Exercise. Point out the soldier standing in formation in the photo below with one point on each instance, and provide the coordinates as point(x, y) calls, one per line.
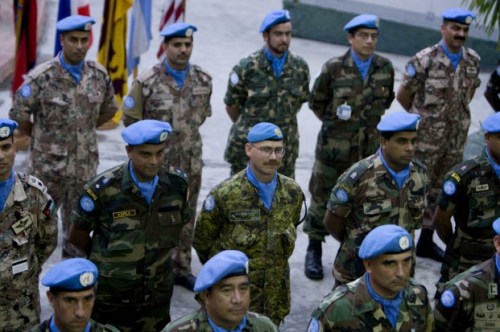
point(492, 92)
point(269, 85)
point(28, 235)
point(349, 96)
point(136, 212)
point(177, 92)
point(385, 298)
point(224, 289)
point(68, 98)
point(388, 187)
point(439, 84)
point(256, 211)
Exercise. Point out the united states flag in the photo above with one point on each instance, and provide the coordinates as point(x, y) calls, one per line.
point(172, 12)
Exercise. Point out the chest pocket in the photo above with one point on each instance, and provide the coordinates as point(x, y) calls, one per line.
point(199, 97)
point(436, 91)
point(416, 207)
point(246, 228)
point(377, 209)
point(170, 227)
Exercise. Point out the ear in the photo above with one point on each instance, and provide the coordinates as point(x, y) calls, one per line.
point(51, 298)
point(496, 243)
point(248, 149)
point(265, 35)
point(367, 264)
point(164, 46)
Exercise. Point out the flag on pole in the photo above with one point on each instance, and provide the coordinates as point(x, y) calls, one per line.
point(67, 8)
point(112, 53)
point(140, 32)
point(172, 12)
point(25, 21)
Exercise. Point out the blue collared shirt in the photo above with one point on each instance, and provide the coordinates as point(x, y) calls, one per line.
point(266, 190)
point(495, 166)
point(178, 75)
point(217, 328)
point(390, 306)
point(147, 188)
point(454, 57)
point(54, 328)
point(276, 63)
point(74, 70)
point(6, 188)
point(399, 177)
point(362, 65)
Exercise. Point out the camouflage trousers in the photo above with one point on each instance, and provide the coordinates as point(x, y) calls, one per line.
point(19, 311)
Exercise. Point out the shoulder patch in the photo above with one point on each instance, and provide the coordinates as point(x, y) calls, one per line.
point(37, 183)
point(26, 90)
point(129, 102)
point(209, 203)
point(410, 70)
point(342, 195)
point(313, 325)
point(447, 299)
point(234, 78)
point(87, 204)
point(449, 187)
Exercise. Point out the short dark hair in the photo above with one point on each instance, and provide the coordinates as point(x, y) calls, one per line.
point(387, 134)
point(167, 39)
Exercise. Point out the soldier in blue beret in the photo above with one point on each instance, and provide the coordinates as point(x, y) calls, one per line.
point(135, 212)
point(389, 298)
point(223, 288)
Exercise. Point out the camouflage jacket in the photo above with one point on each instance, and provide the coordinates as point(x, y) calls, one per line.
point(28, 236)
point(132, 240)
point(64, 139)
point(340, 82)
point(442, 95)
point(155, 95)
point(367, 197)
point(198, 322)
point(351, 308)
point(475, 207)
point(261, 96)
point(234, 217)
point(475, 304)
point(94, 327)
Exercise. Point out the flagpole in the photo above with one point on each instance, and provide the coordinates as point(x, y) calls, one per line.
point(183, 10)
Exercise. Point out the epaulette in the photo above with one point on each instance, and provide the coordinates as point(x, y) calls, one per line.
point(356, 172)
point(203, 72)
point(425, 51)
point(465, 167)
point(97, 65)
point(40, 69)
point(36, 183)
point(146, 75)
point(473, 53)
point(103, 180)
point(419, 163)
point(176, 171)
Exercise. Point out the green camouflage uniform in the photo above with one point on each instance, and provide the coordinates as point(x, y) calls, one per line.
point(198, 322)
point(341, 143)
point(28, 236)
point(373, 199)
point(64, 141)
point(156, 96)
point(475, 207)
point(351, 308)
point(442, 98)
point(94, 327)
point(234, 217)
point(476, 301)
point(261, 97)
point(131, 245)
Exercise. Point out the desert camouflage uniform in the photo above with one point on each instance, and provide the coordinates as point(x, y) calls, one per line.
point(442, 98)
point(373, 199)
point(156, 96)
point(234, 217)
point(64, 141)
point(477, 302)
point(475, 206)
point(131, 246)
point(341, 143)
point(198, 322)
point(94, 327)
point(28, 236)
point(351, 308)
point(261, 97)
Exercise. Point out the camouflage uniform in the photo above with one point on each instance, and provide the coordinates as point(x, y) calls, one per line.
point(234, 217)
point(477, 303)
point(373, 199)
point(351, 308)
point(64, 141)
point(261, 97)
point(492, 92)
point(341, 143)
point(156, 96)
point(475, 207)
point(94, 327)
point(131, 246)
point(442, 97)
point(198, 322)
point(28, 236)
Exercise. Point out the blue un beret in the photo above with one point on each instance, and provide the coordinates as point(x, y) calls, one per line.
point(274, 18)
point(459, 15)
point(178, 30)
point(73, 274)
point(264, 131)
point(362, 21)
point(7, 128)
point(75, 22)
point(492, 123)
point(225, 264)
point(147, 132)
point(383, 240)
point(399, 121)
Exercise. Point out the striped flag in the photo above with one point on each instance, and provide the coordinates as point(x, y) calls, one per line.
point(25, 20)
point(67, 8)
point(172, 12)
point(140, 33)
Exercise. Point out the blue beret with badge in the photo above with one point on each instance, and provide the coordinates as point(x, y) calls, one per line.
point(399, 121)
point(385, 239)
point(7, 128)
point(274, 18)
point(496, 226)
point(492, 123)
point(368, 21)
point(75, 23)
point(227, 263)
point(458, 15)
point(264, 131)
point(147, 132)
point(73, 274)
point(179, 29)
